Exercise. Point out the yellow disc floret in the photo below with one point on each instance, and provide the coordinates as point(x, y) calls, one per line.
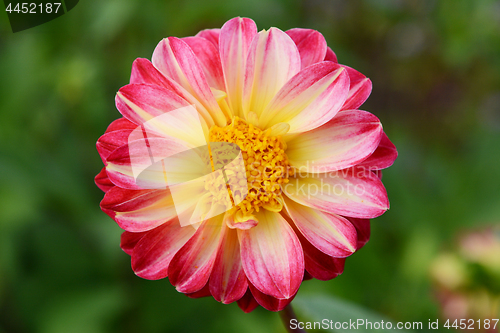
point(266, 164)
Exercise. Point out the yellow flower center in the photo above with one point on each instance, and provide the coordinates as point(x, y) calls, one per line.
point(266, 164)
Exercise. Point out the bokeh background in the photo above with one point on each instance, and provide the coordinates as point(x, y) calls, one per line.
point(435, 67)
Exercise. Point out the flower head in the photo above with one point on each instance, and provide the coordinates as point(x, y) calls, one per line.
point(290, 202)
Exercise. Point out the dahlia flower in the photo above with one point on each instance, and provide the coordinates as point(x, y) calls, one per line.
point(309, 174)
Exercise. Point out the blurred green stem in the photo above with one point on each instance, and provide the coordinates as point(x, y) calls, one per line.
point(286, 315)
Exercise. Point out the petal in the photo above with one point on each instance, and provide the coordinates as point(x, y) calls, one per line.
point(359, 89)
point(273, 59)
point(323, 267)
point(175, 59)
point(102, 181)
point(129, 240)
point(307, 276)
point(194, 202)
point(247, 303)
point(154, 251)
point(228, 282)
point(272, 256)
point(120, 124)
point(268, 302)
point(330, 55)
point(362, 229)
point(137, 211)
point(140, 163)
point(183, 125)
point(142, 102)
point(309, 99)
point(318, 264)
point(330, 233)
point(203, 292)
point(235, 38)
point(110, 141)
point(211, 35)
point(229, 218)
point(191, 266)
point(311, 44)
point(353, 192)
point(383, 157)
point(132, 166)
point(208, 56)
point(143, 71)
point(344, 141)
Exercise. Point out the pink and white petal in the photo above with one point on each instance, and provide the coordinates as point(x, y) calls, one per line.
point(247, 303)
point(273, 59)
point(122, 175)
point(137, 211)
point(330, 233)
point(244, 225)
point(228, 282)
point(161, 111)
point(129, 240)
point(110, 141)
point(209, 58)
point(133, 166)
point(309, 99)
point(318, 264)
point(311, 45)
point(120, 124)
point(191, 267)
point(344, 141)
point(175, 59)
point(359, 90)
point(362, 229)
point(330, 55)
point(272, 256)
point(154, 251)
point(378, 173)
point(142, 102)
point(269, 302)
point(212, 35)
point(183, 125)
point(383, 157)
point(235, 39)
point(102, 181)
point(353, 192)
point(203, 292)
point(143, 72)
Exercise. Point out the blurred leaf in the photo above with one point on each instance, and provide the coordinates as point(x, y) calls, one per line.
point(320, 307)
point(82, 311)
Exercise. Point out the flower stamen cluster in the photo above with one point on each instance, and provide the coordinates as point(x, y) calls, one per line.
point(266, 164)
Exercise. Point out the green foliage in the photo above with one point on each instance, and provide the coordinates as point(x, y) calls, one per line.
point(435, 66)
point(337, 311)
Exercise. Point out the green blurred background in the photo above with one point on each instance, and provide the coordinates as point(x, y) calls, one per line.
point(435, 67)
